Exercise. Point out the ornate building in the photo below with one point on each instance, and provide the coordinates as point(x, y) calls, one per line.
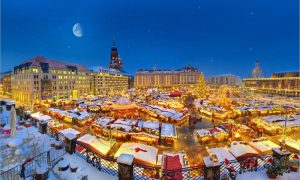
point(166, 78)
point(108, 81)
point(115, 60)
point(285, 83)
point(256, 72)
point(39, 79)
point(5, 82)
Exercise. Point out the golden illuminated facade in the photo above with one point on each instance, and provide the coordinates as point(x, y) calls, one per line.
point(108, 81)
point(226, 79)
point(166, 78)
point(40, 79)
point(287, 84)
point(5, 84)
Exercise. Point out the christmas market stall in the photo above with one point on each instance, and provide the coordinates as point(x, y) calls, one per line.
point(143, 154)
point(38, 117)
point(209, 135)
point(241, 150)
point(101, 126)
point(120, 128)
point(204, 136)
point(146, 131)
point(54, 127)
point(92, 143)
point(222, 154)
point(168, 134)
point(263, 146)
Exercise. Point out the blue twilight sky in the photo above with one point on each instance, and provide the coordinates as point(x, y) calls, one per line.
point(216, 36)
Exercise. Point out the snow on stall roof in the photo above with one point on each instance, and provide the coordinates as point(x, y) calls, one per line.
point(149, 124)
point(264, 146)
point(126, 127)
point(203, 132)
point(142, 153)
point(292, 143)
point(69, 131)
point(238, 149)
point(98, 144)
point(222, 154)
point(168, 130)
point(104, 121)
point(294, 123)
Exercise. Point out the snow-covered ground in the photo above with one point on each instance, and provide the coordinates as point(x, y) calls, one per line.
point(84, 168)
point(261, 175)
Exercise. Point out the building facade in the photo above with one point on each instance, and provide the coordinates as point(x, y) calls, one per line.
point(286, 84)
point(108, 82)
point(166, 78)
point(226, 79)
point(5, 82)
point(40, 79)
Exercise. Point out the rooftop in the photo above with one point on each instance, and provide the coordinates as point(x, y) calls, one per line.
point(53, 64)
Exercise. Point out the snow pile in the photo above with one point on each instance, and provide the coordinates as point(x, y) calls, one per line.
point(125, 159)
point(83, 169)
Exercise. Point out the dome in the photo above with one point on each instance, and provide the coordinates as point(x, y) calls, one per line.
point(257, 72)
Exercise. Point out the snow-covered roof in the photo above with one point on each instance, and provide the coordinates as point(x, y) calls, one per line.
point(264, 146)
point(99, 145)
point(203, 132)
point(168, 130)
point(149, 124)
point(142, 153)
point(69, 130)
point(222, 154)
point(239, 150)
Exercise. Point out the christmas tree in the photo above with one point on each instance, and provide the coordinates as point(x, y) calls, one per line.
point(201, 88)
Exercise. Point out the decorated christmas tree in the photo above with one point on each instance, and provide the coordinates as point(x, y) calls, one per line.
point(201, 88)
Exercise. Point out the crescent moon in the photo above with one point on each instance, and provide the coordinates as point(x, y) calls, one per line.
point(77, 30)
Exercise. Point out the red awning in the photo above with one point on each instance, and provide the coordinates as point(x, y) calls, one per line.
point(175, 94)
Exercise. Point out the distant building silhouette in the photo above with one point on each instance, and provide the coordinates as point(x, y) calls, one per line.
point(256, 72)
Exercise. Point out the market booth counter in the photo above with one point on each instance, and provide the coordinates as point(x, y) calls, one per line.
point(54, 127)
point(146, 131)
point(216, 134)
point(204, 136)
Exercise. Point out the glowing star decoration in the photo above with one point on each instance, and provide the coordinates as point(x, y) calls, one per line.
point(77, 30)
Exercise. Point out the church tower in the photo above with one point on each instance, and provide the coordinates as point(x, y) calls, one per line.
point(115, 60)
